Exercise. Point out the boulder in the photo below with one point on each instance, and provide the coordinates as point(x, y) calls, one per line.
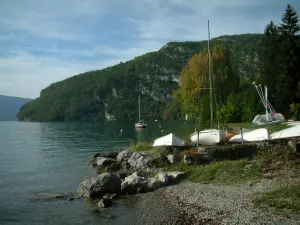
point(174, 158)
point(100, 185)
point(104, 202)
point(103, 161)
point(141, 160)
point(93, 162)
point(112, 155)
point(124, 155)
point(135, 184)
point(110, 196)
point(163, 177)
point(170, 177)
point(153, 183)
point(113, 167)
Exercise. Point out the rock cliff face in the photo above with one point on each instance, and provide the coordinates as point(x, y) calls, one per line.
point(111, 93)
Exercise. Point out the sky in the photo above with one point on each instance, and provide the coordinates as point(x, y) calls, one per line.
point(44, 41)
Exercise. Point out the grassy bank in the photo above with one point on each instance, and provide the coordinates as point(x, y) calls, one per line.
point(225, 172)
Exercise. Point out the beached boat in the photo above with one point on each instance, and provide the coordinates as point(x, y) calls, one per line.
point(210, 136)
point(256, 135)
point(290, 132)
point(270, 116)
point(169, 140)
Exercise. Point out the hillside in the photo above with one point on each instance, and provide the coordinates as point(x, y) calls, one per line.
point(10, 106)
point(111, 93)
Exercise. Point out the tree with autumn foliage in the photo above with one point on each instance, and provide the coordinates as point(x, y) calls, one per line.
point(193, 93)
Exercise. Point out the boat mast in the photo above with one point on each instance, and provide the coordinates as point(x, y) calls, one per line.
point(210, 80)
point(139, 110)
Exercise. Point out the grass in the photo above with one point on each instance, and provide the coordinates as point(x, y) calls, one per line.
point(225, 172)
point(283, 198)
point(141, 147)
point(268, 160)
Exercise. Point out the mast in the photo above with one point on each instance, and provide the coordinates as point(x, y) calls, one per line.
point(210, 80)
point(139, 110)
point(266, 103)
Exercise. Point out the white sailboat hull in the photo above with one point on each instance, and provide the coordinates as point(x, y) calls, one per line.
point(208, 137)
point(256, 135)
point(287, 133)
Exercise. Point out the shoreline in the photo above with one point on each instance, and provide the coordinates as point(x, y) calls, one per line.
point(163, 199)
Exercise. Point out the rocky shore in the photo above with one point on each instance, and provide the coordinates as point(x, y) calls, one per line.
point(164, 200)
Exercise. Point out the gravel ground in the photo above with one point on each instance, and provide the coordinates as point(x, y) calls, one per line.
point(218, 204)
point(196, 203)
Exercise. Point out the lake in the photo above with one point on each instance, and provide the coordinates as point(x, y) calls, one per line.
point(53, 157)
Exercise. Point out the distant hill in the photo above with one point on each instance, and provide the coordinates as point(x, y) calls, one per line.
point(10, 106)
point(111, 93)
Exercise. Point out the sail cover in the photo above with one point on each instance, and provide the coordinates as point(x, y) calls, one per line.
point(168, 140)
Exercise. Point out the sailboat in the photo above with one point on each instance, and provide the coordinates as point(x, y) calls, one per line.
point(141, 123)
point(209, 136)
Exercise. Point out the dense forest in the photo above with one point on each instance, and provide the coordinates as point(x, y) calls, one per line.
point(169, 81)
point(235, 98)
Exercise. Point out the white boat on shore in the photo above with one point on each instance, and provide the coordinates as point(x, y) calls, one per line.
point(256, 135)
point(290, 132)
point(208, 137)
point(169, 140)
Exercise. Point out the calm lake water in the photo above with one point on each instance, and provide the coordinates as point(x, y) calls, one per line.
point(53, 157)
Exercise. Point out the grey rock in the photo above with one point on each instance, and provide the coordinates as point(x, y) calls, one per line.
point(102, 161)
point(163, 177)
point(113, 167)
point(170, 177)
point(49, 195)
point(93, 162)
point(153, 183)
point(100, 185)
point(141, 160)
point(110, 196)
point(112, 155)
point(135, 184)
point(124, 155)
point(173, 158)
point(104, 202)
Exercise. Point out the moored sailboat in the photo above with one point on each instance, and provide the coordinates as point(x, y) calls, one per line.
point(141, 123)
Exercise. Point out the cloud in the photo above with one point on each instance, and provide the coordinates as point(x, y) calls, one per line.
point(46, 41)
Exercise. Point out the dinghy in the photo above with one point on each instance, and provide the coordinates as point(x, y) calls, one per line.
point(168, 140)
point(208, 137)
point(256, 135)
point(290, 132)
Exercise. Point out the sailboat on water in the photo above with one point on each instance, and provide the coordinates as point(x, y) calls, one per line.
point(141, 123)
point(209, 136)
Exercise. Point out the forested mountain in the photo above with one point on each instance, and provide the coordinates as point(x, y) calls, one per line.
point(10, 106)
point(276, 66)
point(111, 93)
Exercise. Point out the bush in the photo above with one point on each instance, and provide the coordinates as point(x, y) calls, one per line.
point(231, 152)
